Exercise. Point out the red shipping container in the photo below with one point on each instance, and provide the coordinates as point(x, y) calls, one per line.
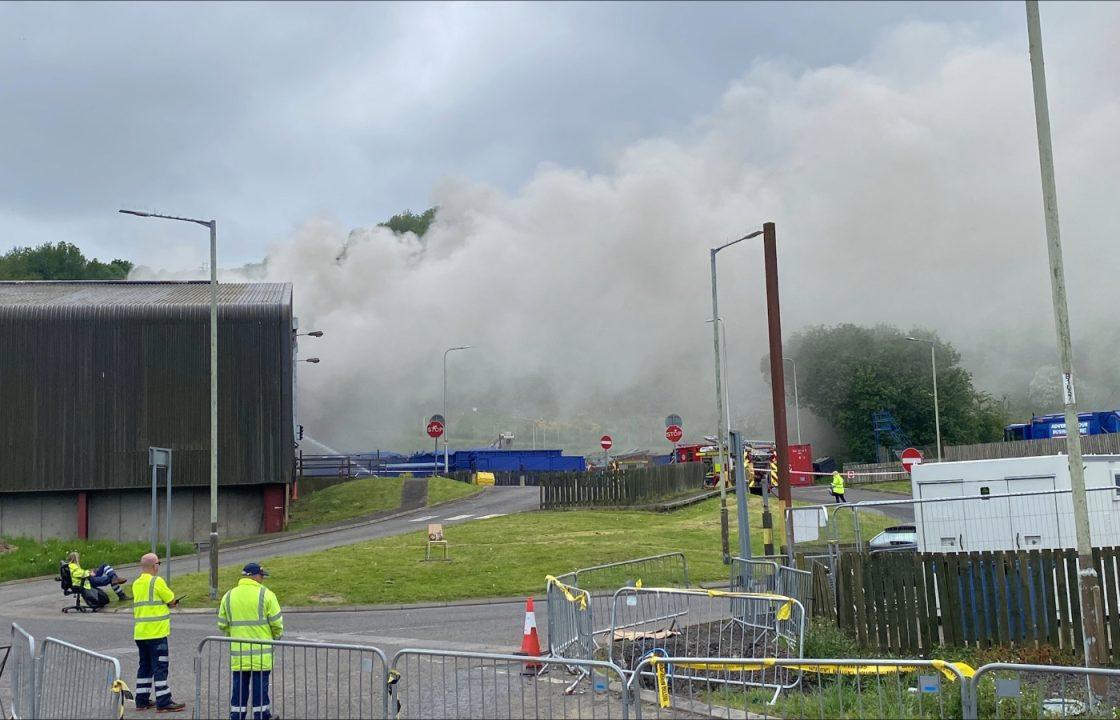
point(801, 464)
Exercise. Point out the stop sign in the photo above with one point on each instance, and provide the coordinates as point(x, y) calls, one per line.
point(911, 457)
point(435, 429)
point(606, 442)
point(674, 433)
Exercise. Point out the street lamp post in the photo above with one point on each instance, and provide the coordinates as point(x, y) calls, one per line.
point(726, 385)
point(936, 409)
point(213, 225)
point(446, 460)
point(796, 401)
point(721, 435)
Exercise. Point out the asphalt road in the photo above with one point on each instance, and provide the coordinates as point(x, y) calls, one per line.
point(820, 495)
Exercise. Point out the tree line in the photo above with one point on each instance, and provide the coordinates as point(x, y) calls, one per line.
point(59, 261)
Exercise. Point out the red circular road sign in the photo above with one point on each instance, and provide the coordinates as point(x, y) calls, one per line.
point(606, 442)
point(674, 433)
point(435, 428)
point(911, 457)
point(851, 474)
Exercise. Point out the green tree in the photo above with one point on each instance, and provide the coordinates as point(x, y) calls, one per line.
point(58, 261)
point(847, 372)
point(409, 221)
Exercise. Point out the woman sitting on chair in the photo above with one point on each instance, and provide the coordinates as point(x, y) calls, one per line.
point(103, 576)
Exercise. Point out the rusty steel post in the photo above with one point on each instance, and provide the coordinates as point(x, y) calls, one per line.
point(777, 367)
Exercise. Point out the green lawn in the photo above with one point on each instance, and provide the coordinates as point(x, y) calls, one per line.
point(346, 500)
point(31, 558)
point(502, 556)
point(441, 489)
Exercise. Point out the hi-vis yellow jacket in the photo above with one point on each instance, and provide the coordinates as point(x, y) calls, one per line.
point(151, 615)
point(250, 611)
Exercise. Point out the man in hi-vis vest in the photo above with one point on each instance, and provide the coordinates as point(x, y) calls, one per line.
point(152, 601)
point(250, 612)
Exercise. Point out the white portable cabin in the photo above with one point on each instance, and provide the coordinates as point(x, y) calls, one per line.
point(1042, 518)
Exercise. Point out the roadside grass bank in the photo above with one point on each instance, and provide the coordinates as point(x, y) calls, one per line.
point(365, 496)
point(441, 489)
point(503, 556)
point(22, 557)
point(901, 487)
point(346, 500)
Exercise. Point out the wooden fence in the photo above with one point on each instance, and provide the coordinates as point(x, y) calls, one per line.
point(614, 488)
point(910, 603)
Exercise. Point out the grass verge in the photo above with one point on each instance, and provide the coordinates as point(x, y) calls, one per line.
point(503, 556)
point(346, 500)
point(441, 489)
point(901, 487)
point(31, 558)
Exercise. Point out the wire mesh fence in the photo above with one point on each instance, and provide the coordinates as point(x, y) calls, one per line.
point(21, 662)
point(650, 622)
point(449, 684)
point(673, 687)
point(72, 682)
point(293, 679)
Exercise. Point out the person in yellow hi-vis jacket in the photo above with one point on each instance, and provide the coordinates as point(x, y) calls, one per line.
point(838, 487)
point(152, 601)
point(250, 612)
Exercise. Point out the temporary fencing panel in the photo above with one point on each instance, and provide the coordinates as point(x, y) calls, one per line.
point(569, 621)
point(73, 682)
point(648, 622)
point(1003, 690)
point(21, 660)
point(449, 684)
point(672, 687)
point(797, 584)
point(754, 576)
point(307, 680)
point(601, 581)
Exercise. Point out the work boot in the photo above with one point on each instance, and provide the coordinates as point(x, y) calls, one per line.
point(171, 707)
point(118, 580)
point(121, 595)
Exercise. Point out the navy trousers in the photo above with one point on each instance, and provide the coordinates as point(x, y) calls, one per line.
point(249, 695)
point(151, 676)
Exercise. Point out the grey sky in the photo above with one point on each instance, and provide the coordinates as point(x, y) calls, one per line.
point(264, 115)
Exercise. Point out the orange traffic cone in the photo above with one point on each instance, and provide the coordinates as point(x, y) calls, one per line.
point(530, 643)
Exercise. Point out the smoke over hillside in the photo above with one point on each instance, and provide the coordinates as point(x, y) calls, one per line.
point(905, 190)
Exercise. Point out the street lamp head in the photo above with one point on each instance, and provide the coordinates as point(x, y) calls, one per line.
point(316, 333)
point(135, 212)
point(310, 360)
point(754, 234)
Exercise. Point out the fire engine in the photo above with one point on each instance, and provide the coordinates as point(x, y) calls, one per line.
point(757, 456)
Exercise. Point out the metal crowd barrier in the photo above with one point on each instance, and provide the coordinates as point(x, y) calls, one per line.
point(689, 687)
point(754, 576)
point(72, 682)
point(307, 680)
point(648, 622)
point(449, 684)
point(1000, 690)
point(569, 621)
point(22, 664)
point(665, 570)
point(797, 584)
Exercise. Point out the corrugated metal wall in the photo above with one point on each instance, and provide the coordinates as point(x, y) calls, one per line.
point(86, 389)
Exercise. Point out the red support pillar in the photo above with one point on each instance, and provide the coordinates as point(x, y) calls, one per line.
point(83, 515)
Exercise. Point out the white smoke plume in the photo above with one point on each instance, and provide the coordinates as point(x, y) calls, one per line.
point(905, 189)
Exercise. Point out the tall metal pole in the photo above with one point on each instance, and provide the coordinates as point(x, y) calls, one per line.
point(723, 524)
point(796, 400)
point(735, 446)
point(213, 410)
point(1088, 582)
point(936, 404)
point(777, 367)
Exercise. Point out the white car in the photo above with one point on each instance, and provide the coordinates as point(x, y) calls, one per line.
point(898, 537)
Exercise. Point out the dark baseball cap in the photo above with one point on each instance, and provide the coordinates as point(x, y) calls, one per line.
point(254, 569)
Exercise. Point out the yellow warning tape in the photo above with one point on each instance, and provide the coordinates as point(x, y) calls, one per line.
point(785, 610)
point(580, 596)
point(838, 668)
point(120, 689)
point(662, 686)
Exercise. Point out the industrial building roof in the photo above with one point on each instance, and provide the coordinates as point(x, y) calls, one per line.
point(118, 293)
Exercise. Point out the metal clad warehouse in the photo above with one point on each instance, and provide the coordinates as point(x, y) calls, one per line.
point(92, 374)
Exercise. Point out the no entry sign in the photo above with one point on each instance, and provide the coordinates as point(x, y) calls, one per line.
point(674, 433)
point(606, 442)
point(911, 457)
point(435, 428)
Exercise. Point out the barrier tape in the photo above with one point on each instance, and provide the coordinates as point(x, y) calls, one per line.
point(662, 685)
point(785, 611)
point(581, 598)
point(842, 669)
point(120, 689)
